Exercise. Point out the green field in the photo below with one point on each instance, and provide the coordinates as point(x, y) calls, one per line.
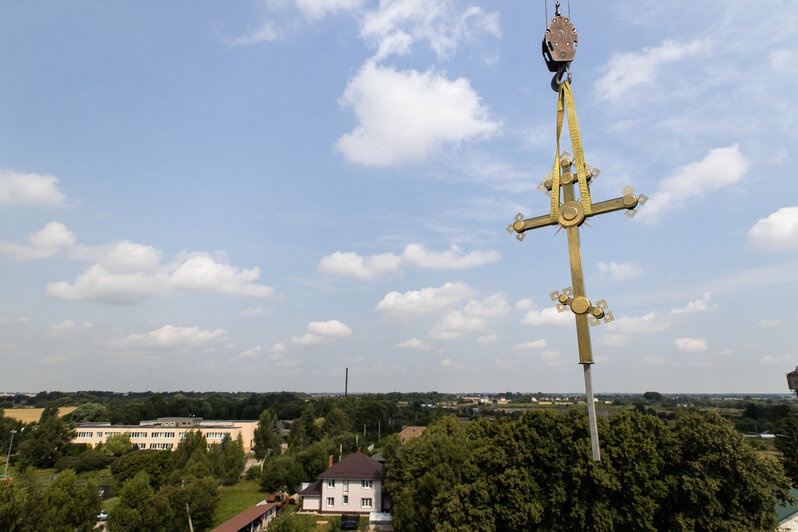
point(235, 499)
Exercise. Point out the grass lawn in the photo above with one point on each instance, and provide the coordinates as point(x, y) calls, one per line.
point(235, 499)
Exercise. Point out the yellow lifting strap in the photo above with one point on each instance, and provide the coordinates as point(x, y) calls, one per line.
point(565, 105)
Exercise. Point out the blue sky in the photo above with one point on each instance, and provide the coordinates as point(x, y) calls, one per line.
point(257, 195)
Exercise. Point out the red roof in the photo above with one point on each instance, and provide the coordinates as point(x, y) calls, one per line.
point(355, 466)
point(244, 518)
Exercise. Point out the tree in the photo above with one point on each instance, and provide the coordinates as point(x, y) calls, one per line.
point(68, 507)
point(281, 472)
point(698, 475)
point(117, 444)
point(10, 506)
point(202, 498)
point(233, 461)
point(787, 444)
point(48, 442)
point(139, 508)
point(157, 465)
point(716, 481)
point(266, 439)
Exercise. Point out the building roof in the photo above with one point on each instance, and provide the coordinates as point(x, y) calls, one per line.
point(244, 518)
point(355, 466)
point(410, 432)
point(313, 489)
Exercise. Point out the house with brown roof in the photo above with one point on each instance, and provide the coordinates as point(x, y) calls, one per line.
point(253, 519)
point(353, 485)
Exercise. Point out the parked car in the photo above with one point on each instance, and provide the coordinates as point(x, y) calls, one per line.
point(350, 522)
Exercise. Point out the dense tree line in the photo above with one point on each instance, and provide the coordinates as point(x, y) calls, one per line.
point(535, 473)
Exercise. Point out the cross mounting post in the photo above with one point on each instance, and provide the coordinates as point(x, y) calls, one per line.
point(570, 215)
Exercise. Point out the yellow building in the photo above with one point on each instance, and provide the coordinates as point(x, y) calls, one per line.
point(166, 432)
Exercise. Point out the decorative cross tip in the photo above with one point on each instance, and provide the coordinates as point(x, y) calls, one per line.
point(555, 295)
point(642, 199)
point(561, 307)
point(520, 237)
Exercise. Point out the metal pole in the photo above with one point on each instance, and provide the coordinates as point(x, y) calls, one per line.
point(8, 457)
point(591, 413)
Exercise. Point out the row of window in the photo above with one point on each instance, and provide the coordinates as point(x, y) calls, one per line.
point(365, 484)
point(209, 435)
point(162, 435)
point(214, 435)
point(364, 502)
point(162, 446)
point(85, 434)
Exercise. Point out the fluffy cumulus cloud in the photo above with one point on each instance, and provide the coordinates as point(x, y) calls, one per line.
point(547, 317)
point(531, 345)
point(620, 271)
point(691, 345)
point(619, 331)
point(350, 264)
point(487, 339)
point(404, 116)
point(473, 317)
point(777, 232)
point(450, 363)
point(172, 337)
point(315, 9)
point(396, 305)
point(395, 26)
point(414, 343)
point(17, 188)
point(721, 167)
point(127, 272)
point(48, 241)
point(627, 71)
point(319, 332)
point(698, 305)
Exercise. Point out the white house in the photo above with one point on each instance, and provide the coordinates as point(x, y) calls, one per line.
point(353, 485)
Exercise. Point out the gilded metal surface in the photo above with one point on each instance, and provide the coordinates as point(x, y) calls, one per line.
point(580, 305)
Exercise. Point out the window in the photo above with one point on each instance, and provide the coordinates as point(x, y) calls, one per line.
point(365, 503)
point(346, 499)
point(330, 502)
point(330, 482)
point(365, 484)
point(346, 486)
point(85, 434)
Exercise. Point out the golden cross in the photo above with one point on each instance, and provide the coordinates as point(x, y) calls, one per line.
point(571, 215)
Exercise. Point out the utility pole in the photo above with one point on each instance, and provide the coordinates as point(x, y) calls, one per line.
point(8, 457)
point(188, 512)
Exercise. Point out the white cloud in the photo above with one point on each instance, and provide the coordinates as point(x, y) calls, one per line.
point(452, 259)
point(472, 318)
point(449, 363)
point(699, 305)
point(548, 317)
point(628, 70)
point(69, 326)
point(691, 344)
point(655, 360)
point(266, 32)
point(351, 264)
point(172, 337)
point(279, 347)
point(316, 9)
point(254, 312)
point(551, 358)
point(48, 241)
point(533, 344)
point(17, 188)
point(128, 273)
point(19, 319)
point(618, 332)
point(620, 272)
point(784, 360)
point(721, 167)
point(769, 323)
point(442, 24)
point(414, 303)
point(322, 332)
point(404, 116)
point(456, 324)
point(488, 339)
point(414, 343)
point(779, 231)
point(524, 304)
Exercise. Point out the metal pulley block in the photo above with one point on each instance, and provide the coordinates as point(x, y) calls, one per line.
point(559, 47)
